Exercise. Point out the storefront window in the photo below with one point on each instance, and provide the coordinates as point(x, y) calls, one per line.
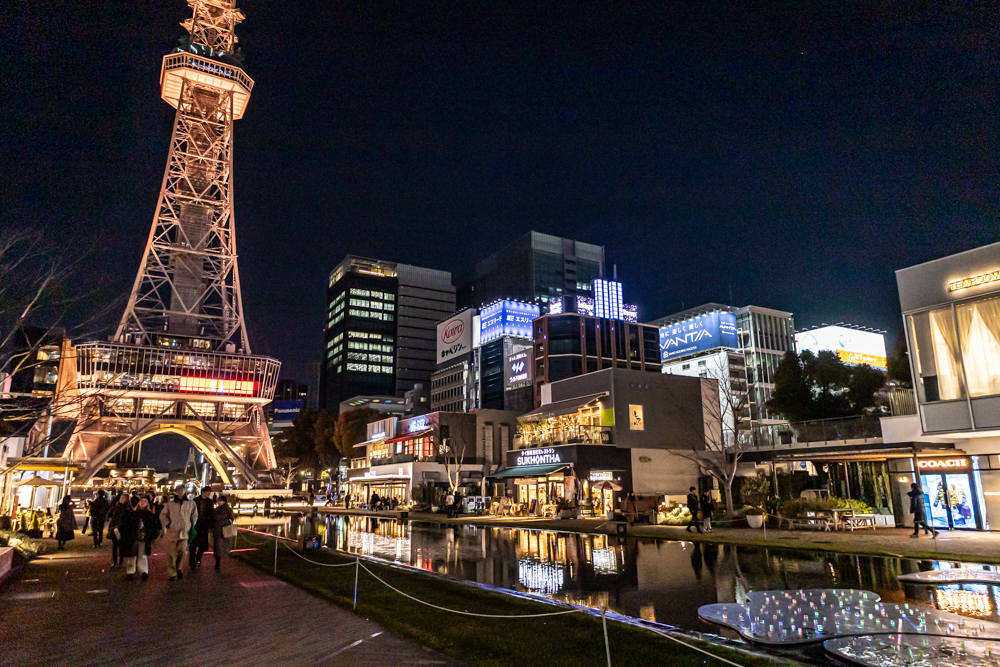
point(379, 450)
point(979, 331)
point(939, 369)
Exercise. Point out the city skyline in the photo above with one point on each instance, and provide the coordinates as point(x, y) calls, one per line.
point(791, 160)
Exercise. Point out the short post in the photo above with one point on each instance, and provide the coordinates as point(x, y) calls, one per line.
point(357, 567)
point(276, 554)
point(765, 526)
point(604, 623)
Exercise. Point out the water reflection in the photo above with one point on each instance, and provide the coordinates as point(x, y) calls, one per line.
point(657, 580)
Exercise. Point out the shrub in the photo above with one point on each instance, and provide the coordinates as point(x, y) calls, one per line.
point(24, 545)
point(756, 490)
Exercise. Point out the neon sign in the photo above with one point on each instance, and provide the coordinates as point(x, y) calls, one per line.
point(214, 386)
point(966, 283)
point(534, 457)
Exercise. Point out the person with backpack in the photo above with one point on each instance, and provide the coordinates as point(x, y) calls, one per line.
point(179, 515)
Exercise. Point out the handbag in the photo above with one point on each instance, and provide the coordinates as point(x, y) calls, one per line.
point(192, 534)
point(229, 532)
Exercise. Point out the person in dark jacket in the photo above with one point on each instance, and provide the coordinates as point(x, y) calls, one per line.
point(117, 508)
point(224, 516)
point(707, 509)
point(203, 527)
point(99, 508)
point(66, 524)
point(919, 512)
point(693, 505)
point(139, 527)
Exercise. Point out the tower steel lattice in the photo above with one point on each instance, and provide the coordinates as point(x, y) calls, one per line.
point(180, 360)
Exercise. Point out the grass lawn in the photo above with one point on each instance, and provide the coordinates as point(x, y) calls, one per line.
point(571, 639)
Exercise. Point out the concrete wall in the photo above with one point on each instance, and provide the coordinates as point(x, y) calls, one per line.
point(660, 472)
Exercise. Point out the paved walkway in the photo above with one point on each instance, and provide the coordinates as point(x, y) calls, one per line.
point(956, 544)
point(70, 608)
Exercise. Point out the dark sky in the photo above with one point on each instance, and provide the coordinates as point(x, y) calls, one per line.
point(792, 156)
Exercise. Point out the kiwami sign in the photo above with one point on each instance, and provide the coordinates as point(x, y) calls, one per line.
point(538, 457)
point(454, 336)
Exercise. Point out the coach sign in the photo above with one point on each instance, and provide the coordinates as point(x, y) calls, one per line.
point(454, 336)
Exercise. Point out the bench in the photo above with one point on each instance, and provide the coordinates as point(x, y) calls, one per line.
point(857, 520)
point(808, 522)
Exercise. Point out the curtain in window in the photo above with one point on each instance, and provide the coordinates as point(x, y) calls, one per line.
point(946, 354)
point(979, 326)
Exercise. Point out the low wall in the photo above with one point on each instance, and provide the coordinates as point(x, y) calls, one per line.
point(6, 562)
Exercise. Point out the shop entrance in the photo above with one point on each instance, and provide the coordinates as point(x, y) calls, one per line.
point(950, 501)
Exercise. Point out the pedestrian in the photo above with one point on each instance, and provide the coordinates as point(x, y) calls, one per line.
point(223, 518)
point(177, 518)
point(66, 523)
point(707, 509)
point(919, 512)
point(631, 509)
point(86, 516)
point(114, 531)
point(99, 508)
point(312, 499)
point(140, 528)
point(204, 525)
point(693, 505)
point(373, 502)
point(347, 502)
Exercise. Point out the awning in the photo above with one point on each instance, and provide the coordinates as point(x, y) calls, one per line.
point(410, 436)
point(530, 471)
point(560, 408)
point(368, 442)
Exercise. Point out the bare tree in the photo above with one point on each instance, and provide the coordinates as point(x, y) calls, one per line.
point(453, 458)
point(725, 425)
point(39, 291)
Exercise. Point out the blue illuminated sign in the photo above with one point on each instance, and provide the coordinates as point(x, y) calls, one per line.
point(286, 411)
point(698, 334)
point(507, 318)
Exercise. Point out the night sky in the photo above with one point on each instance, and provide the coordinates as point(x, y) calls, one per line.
point(791, 157)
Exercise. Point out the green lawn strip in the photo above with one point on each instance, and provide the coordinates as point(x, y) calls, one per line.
point(568, 639)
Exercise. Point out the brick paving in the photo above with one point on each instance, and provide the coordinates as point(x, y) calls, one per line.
point(70, 608)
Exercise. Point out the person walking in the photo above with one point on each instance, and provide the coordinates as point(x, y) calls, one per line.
point(631, 509)
point(66, 524)
point(693, 504)
point(204, 525)
point(99, 508)
point(177, 517)
point(140, 528)
point(919, 511)
point(223, 518)
point(707, 509)
point(114, 530)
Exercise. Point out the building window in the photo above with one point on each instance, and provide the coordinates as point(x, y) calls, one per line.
point(937, 359)
point(979, 333)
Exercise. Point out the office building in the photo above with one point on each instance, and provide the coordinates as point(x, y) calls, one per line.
point(763, 335)
point(536, 268)
point(381, 321)
point(572, 344)
point(291, 390)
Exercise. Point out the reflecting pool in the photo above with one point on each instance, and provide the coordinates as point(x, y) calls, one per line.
point(657, 580)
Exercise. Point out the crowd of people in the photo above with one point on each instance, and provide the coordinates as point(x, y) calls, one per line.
point(132, 521)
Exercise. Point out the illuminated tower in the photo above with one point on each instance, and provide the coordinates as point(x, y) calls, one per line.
point(180, 360)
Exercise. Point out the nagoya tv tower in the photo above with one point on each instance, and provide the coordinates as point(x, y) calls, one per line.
point(180, 361)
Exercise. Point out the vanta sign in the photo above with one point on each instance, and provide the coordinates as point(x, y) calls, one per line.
point(454, 336)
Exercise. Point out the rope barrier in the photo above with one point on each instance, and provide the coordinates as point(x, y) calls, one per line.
point(468, 613)
point(692, 647)
point(314, 562)
point(256, 544)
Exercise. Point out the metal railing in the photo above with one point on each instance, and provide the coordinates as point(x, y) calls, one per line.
point(864, 428)
point(209, 66)
point(565, 435)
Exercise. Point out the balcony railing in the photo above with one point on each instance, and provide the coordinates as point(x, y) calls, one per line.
point(822, 432)
point(565, 435)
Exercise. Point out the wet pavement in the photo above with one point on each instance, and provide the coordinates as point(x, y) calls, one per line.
point(69, 608)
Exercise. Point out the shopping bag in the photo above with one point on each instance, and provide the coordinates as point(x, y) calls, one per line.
point(229, 532)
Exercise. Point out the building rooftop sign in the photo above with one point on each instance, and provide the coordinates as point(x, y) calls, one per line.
point(506, 318)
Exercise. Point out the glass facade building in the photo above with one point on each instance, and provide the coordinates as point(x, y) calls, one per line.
point(381, 328)
point(536, 268)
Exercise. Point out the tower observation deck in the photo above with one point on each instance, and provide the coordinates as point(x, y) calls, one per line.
point(180, 359)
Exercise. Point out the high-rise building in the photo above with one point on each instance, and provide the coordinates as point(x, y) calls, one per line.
point(571, 344)
point(536, 268)
point(381, 328)
point(764, 335)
